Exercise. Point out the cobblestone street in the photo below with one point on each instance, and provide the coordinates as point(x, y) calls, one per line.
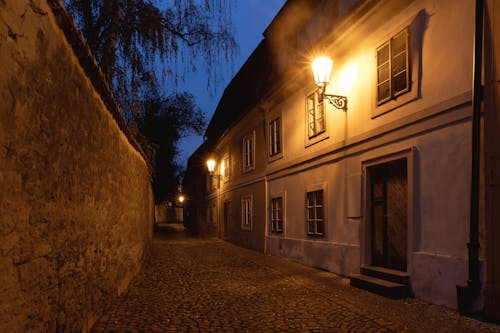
point(207, 285)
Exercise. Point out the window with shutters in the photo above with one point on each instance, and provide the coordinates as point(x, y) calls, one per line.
point(393, 73)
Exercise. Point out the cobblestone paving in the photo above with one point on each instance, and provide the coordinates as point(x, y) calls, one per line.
point(207, 285)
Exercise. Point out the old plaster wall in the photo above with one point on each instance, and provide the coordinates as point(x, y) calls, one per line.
point(76, 205)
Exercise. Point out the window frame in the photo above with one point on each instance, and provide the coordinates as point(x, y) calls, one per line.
point(246, 212)
point(226, 163)
point(274, 135)
point(245, 153)
point(313, 138)
point(317, 106)
point(280, 218)
point(416, 30)
point(313, 190)
point(393, 94)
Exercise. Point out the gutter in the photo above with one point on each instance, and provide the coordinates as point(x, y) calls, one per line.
point(466, 295)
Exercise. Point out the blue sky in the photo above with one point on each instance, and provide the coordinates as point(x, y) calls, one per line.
point(250, 18)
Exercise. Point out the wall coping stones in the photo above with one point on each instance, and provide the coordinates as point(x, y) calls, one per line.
point(87, 60)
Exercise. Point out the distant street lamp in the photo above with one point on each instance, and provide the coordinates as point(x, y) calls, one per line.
point(181, 199)
point(322, 70)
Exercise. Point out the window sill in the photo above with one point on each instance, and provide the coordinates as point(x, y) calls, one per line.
point(248, 169)
point(395, 103)
point(274, 157)
point(315, 139)
point(319, 237)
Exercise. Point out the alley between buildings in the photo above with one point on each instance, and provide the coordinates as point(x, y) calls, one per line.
point(207, 285)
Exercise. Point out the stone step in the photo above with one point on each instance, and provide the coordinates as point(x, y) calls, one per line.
point(386, 274)
point(382, 287)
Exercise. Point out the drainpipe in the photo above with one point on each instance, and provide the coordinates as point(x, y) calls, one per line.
point(467, 294)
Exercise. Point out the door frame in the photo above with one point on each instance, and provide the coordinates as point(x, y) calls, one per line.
point(409, 155)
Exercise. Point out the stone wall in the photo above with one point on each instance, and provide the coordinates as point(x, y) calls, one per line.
point(76, 206)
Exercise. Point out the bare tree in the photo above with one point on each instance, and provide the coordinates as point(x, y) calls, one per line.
point(142, 43)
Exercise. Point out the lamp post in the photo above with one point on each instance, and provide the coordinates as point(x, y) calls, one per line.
point(322, 70)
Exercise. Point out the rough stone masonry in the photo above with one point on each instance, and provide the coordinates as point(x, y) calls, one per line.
point(76, 205)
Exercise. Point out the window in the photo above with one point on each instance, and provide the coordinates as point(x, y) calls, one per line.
point(249, 152)
point(393, 77)
point(315, 115)
point(277, 214)
point(225, 167)
point(315, 213)
point(246, 213)
point(274, 129)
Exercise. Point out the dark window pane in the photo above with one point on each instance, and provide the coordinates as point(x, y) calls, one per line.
point(319, 197)
point(310, 227)
point(280, 225)
point(310, 213)
point(400, 82)
point(399, 43)
point(310, 199)
point(278, 135)
point(399, 63)
point(383, 54)
point(321, 227)
point(384, 91)
point(383, 73)
point(271, 138)
point(319, 213)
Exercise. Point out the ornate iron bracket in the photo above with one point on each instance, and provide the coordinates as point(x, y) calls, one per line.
point(339, 102)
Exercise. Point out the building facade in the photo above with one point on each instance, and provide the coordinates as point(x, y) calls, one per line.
point(381, 185)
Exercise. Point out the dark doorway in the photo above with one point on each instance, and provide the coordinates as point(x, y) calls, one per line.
point(227, 218)
point(389, 210)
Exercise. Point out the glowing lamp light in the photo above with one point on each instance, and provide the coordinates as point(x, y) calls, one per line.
point(211, 166)
point(181, 198)
point(322, 70)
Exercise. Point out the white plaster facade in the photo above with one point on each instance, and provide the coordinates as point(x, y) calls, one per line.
point(428, 128)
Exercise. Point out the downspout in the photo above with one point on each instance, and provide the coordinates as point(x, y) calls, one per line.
point(467, 294)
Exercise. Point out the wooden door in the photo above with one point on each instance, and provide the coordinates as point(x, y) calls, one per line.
point(389, 210)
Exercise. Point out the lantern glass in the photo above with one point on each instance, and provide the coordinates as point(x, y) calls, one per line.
point(211, 166)
point(322, 69)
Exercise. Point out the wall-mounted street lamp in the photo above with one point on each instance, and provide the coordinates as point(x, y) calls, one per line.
point(322, 70)
point(211, 170)
point(211, 166)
